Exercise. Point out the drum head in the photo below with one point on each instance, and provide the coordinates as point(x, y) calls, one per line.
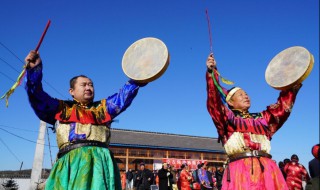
point(289, 67)
point(145, 60)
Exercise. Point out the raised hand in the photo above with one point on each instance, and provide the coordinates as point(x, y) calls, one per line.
point(211, 62)
point(33, 59)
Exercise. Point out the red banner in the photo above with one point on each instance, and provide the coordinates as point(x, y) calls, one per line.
point(176, 163)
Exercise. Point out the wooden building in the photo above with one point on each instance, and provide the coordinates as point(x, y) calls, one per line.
point(131, 147)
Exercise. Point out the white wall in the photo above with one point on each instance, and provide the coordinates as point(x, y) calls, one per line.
point(24, 183)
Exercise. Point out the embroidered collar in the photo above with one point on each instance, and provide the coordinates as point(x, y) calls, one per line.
point(243, 114)
point(246, 114)
point(75, 101)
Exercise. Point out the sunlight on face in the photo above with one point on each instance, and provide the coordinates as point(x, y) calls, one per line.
point(83, 90)
point(240, 100)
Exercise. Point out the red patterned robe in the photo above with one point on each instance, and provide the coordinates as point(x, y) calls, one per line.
point(185, 180)
point(243, 132)
point(295, 173)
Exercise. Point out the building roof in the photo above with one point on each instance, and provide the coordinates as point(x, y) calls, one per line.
point(156, 140)
point(22, 173)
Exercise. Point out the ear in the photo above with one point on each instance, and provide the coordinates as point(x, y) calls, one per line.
point(230, 103)
point(71, 91)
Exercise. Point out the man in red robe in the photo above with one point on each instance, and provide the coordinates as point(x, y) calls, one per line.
point(296, 173)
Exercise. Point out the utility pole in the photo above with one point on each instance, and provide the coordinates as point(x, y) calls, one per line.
point(38, 157)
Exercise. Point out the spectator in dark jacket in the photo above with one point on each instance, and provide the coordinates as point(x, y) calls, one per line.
point(129, 177)
point(144, 178)
point(314, 167)
point(135, 182)
point(165, 178)
point(196, 181)
point(281, 166)
point(219, 175)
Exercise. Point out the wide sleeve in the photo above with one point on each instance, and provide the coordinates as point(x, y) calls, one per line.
point(216, 108)
point(276, 114)
point(43, 105)
point(120, 101)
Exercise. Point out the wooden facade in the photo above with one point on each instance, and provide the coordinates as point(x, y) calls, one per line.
point(130, 148)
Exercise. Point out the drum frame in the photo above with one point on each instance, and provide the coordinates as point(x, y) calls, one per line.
point(300, 79)
point(158, 73)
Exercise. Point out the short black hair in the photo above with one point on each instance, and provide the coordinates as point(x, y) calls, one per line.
point(286, 160)
point(73, 80)
point(281, 164)
point(294, 157)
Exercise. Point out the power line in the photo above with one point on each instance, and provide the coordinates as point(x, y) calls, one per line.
point(23, 137)
point(9, 64)
point(55, 89)
point(19, 72)
point(10, 150)
point(11, 52)
point(7, 77)
point(28, 130)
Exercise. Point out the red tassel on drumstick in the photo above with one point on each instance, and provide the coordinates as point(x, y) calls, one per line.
point(22, 74)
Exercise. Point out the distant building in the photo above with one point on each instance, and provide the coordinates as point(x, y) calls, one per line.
point(22, 178)
point(130, 147)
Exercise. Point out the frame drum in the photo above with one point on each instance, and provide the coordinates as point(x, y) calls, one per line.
point(288, 68)
point(145, 60)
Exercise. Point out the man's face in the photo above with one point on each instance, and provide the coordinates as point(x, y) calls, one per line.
point(165, 166)
point(142, 167)
point(83, 90)
point(240, 100)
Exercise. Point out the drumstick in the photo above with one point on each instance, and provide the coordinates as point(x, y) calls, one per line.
point(23, 72)
point(226, 81)
point(209, 28)
point(42, 36)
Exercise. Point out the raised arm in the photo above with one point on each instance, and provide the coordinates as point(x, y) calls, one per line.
point(276, 114)
point(216, 108)
point(43, 105)
point(120, 101)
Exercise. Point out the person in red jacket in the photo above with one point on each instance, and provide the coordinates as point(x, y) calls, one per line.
point(185, 178)
point(296, 173)
point(123, 180)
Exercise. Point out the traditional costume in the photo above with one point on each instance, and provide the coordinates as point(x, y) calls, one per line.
point(246, 138)
point(204, 179)
point(83, 135)
point(295, 172)
point(185, 180)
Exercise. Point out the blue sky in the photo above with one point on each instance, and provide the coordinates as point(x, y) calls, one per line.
point(90, 37)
